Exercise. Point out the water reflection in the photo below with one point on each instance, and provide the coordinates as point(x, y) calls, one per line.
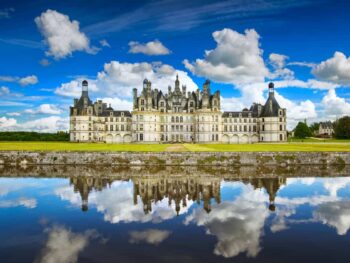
point(243, 214)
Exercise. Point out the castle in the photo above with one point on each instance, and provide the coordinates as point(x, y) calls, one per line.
point(178, 116)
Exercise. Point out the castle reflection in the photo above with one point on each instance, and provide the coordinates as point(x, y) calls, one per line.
point(178, 190)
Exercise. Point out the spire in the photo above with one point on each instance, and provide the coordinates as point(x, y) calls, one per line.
point(177, 83)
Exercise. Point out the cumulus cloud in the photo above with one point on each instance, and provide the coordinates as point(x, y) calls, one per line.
point(118, 79)
point(238, 225)
point(335, 69)
point(149, 236)
point(7, 123)
point(236, 59)
point(47, 124)
point(335, 106)
point(64, 246)
point(45, 109)
point(62, 35)
point(152, 48)
point(335, 214)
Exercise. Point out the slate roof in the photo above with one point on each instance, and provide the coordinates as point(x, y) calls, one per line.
point(271, 107)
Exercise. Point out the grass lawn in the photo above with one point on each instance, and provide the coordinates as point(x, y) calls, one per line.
point(313, 139)
point(260, 147)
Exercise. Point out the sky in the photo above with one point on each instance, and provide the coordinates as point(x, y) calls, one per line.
point(48, 47)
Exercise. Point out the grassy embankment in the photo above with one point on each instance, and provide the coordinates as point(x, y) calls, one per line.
point(340, 146)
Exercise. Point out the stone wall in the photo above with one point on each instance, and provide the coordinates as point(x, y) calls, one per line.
point(224, 159)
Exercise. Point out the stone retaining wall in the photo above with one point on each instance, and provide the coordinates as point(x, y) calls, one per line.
point(18, 158)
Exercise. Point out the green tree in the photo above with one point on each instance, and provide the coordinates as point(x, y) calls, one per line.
point(302, 130)
point(342, 128)
point(314, 127)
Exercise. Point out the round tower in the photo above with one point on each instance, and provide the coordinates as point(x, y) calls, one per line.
point(273, 119)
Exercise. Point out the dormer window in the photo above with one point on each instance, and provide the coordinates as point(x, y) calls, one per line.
point(230, 115)
point(122, 114)
point(111, 113)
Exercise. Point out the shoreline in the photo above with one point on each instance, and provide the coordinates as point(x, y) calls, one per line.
point(224, 159)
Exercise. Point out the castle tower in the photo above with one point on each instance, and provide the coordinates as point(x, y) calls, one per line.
point(272, 119)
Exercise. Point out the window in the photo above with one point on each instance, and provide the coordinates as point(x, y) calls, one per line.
point(172, 119)
point(141, 137)
point(122, 127)
point(111, 128)
point(191, 104)
point(281, 137)
point(281, 128)
point(162, 104)
point(142, 102)
point(263, 127)
point(181, 119)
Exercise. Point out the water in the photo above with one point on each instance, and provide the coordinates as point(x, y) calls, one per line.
point(75, 214)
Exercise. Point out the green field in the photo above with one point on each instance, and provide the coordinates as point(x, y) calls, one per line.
point(340, 146)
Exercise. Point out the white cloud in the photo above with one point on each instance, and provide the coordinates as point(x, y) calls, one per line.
point(237, 58)
point(7, 123)
point(25, 202)
point(6, 12)
point(64, 246)
point(4, 91)
point(149, 236)
point(118, 104)
point(73, 88)
point(13, 114)
point(238, 225)
point(277, 60)
point(29, 80)
point(302, 64)
point(118, 79)
point(62, 35)
point(335, 106)
point(152, 48)
point(47, 124)
point(117, 204)
point(335, 69)
point(104, 43)
point(44, 62)
point(335, 214)
point(25, 81)
point(45, 109)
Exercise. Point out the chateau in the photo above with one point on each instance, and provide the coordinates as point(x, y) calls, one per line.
point(178, 116)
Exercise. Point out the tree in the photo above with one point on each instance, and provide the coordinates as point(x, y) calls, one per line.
point(314, 127)
point(302, 130)
point(342, 128)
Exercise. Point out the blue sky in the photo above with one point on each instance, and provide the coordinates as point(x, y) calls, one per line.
point(48, 47)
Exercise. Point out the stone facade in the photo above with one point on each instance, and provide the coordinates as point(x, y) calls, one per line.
point(325, 129)
point(178, 116)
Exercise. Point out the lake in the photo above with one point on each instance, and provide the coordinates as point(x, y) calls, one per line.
point(107, 214)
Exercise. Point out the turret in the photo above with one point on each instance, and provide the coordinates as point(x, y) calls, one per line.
point(85, 90)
